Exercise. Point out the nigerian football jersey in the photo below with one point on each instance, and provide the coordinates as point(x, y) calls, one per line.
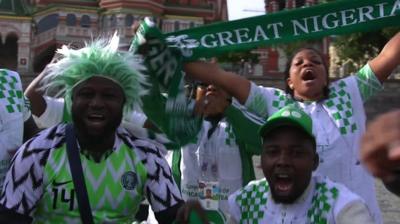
point(39, 183)
point(338, 124)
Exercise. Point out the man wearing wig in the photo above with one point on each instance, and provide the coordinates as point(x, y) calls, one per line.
point(119, 169)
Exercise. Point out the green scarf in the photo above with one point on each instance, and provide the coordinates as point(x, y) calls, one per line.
point(165, 77)
point(335, 18)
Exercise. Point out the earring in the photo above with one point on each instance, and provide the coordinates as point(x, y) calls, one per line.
point(291, 86)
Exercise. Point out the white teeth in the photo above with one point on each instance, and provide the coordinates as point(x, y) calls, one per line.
point(283, 176)
point(284, 187)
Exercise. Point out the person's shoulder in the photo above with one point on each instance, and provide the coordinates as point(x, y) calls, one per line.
point(365, 70)
point(9, 76)
point(328, 182)
point(256, 190)
point(347, 206)
point(49, 138)
point(34, 153)
point(338, 190)
point(142, 145)
point(259, 185)
point(7, 72)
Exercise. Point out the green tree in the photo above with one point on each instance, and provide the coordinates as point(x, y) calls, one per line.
point(360, 47)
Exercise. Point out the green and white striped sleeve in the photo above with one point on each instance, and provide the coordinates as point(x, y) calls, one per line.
point(368, 83)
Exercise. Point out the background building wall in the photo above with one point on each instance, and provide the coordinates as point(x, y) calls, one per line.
point(31, 31)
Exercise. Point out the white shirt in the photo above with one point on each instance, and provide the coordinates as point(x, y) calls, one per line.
point(254, 204)
point(229, 164)
point(14, 111)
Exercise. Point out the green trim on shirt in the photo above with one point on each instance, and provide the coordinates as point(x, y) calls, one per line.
point(368, 83)
point(247, 139)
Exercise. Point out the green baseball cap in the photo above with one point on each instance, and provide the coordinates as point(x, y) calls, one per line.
point(288, 116)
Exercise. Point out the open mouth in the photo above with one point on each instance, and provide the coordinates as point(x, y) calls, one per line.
point(283, 183)
point(211, 93)
point(96, 118)
point(308, 75)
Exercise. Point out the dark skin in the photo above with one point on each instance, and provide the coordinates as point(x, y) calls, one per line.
point(380, 149)
point(184, 212)
point(308, 75)
point(97, 106)
point(211, 102)
point(288, 160)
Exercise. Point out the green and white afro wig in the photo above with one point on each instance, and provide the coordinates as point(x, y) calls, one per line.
point(98, 58)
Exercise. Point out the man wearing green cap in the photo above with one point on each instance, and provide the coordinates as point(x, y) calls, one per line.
point(290, 193)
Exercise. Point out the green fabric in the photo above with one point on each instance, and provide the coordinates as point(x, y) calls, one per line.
point(335, 18)
point(367, 83)
point(66, 118)
point(281, 100)
point(215, 217)
point(195, 218)
point(155, 108)
point(247, 139)
point(248, 173)
point(64, 210)
point(176, 167)
point(290, 114)
point(10, 93)
point(251, 200)
point(321, 204)
point(212, 216)
point(341, 108)
point(244, 128)
point(171, 114)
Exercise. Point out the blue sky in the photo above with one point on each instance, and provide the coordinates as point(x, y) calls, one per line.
point(238, 9)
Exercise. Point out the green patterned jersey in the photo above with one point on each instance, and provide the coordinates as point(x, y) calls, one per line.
point(321, 203)
point(14, 111)
point(39, 183)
